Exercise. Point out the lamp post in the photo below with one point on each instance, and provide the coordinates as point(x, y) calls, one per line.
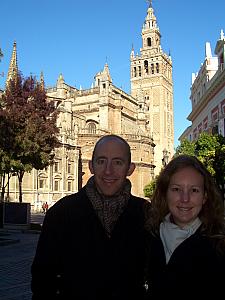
point(165, 157)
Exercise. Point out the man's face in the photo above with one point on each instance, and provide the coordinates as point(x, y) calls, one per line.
point(110, 166)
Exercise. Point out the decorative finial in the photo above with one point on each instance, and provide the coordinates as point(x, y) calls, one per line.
point(150, 3)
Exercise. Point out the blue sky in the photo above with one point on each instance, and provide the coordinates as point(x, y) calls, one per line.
point(76, 38)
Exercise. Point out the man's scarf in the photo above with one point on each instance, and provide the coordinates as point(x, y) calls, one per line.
point(108, 208)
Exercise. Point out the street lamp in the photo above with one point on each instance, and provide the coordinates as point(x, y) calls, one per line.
point(165, 157)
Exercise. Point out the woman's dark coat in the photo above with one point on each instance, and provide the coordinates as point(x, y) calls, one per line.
point(195, 270)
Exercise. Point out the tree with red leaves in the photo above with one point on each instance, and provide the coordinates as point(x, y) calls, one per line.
point(28, 128)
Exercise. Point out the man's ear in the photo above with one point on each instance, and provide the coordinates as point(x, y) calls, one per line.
point(131, 169)
point(90, 165)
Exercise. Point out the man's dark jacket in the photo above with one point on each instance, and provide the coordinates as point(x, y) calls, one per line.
point(75, 259)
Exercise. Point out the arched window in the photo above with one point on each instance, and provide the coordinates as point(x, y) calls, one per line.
point(139, 68)
point(146, 66)
point(152, 68)
point(149, 42)
point(92, 128)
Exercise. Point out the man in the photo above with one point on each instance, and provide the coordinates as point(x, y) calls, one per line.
point(92, 243)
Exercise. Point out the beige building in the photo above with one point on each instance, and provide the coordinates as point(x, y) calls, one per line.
point(144, 118)
point(208, 94)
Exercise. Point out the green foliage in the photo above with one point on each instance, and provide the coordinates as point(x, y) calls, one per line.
point(149, 188)
point(27, 127)
point(210, 149)
point(185, 147)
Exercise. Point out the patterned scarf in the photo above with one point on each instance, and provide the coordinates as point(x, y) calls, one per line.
point(108, 209)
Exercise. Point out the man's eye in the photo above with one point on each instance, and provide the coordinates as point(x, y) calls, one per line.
point(100, 161)
point(118, 162)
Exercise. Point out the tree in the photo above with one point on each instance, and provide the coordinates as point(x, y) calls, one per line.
point(186, 147)
point(210, 150)
point(205, 147)
point(28, 127)
point(219, 164)
point(149, 188)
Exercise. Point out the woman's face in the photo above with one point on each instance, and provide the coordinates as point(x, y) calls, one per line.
point(185, 195)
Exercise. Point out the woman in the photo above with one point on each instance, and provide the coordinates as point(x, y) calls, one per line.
point(186, 233)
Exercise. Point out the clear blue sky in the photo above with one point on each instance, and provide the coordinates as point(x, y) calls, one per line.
point(76, 38)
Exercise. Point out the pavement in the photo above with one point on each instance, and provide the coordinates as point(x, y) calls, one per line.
point(17, 249)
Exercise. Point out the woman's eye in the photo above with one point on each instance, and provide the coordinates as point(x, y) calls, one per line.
point(175, 189)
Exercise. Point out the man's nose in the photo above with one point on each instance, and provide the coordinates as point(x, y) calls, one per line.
point(108, 167)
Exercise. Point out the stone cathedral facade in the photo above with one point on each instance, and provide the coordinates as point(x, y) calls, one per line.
point(144, 118)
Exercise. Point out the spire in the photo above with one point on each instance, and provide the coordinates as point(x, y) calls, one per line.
point(106, 73)
point(42, 81)
point(13, 68)
point(150, 20)
point(150, 3)
point(60, 80)
point(132, 52)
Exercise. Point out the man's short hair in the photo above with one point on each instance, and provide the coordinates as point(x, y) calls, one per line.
point(113, 137)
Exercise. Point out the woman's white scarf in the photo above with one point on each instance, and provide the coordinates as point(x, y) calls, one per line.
point(172, 235)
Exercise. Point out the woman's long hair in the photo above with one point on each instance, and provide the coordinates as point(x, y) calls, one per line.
point(212, 213)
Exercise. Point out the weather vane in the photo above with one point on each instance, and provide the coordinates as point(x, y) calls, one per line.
point(150, 2)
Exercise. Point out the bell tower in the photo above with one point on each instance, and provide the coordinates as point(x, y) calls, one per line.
point(151, 71)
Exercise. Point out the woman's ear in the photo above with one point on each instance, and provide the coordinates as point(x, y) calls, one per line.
point(131, 169)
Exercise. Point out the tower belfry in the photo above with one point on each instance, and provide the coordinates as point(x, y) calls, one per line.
point(13, 67)
point(152, 70)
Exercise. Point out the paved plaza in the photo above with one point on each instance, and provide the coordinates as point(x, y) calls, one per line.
point(17, 250)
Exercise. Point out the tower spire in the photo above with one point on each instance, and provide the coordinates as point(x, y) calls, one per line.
point(13, 68)
point(150, 3)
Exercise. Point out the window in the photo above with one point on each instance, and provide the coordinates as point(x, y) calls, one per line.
point(92, 128)
point(69, 186)
point(56, 166)
point(223, 107)
point(41, 183)
point(152, 68)
point(139, 70)
point(205, 124)
point(69, 167)
point(200, 128)
point(56, 185)
point(135, 72)
point(149, 42)
point(146, 66)
point(215, 114)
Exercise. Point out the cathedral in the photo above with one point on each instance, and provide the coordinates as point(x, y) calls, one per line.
point(144, 118)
